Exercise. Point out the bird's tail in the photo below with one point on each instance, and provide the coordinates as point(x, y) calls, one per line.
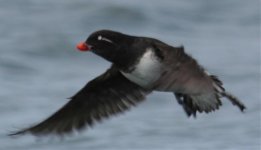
point(221, 92)
point(207, 102)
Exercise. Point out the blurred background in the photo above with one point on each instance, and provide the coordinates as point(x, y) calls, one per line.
point(40, 68)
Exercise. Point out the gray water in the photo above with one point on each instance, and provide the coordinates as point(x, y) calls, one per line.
point(40, 68)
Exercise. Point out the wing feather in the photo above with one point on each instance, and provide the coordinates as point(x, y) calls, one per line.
point(107, 95)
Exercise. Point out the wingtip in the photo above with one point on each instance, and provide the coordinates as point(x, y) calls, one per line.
point(17, 133)
point(242, 108)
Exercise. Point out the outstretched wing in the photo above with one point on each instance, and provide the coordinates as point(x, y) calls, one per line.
point(194, 88)
point(108, 94)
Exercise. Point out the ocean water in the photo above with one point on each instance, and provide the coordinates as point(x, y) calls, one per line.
point(40, 68)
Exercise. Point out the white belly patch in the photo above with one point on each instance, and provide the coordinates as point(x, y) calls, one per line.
point(147, 70)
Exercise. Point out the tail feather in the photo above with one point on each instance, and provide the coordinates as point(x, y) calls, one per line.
point(207, 102)
point(221, 92)
point(234, 100)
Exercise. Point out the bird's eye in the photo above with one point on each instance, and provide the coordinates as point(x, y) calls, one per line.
point(104, 39)
point(99, 37)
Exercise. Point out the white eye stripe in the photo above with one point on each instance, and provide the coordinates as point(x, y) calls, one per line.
point(104, 39)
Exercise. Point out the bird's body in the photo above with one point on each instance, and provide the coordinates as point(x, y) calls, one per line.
point(147, 71)
point(140, 65)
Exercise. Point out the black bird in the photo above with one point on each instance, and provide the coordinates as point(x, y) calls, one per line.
point(140, 65)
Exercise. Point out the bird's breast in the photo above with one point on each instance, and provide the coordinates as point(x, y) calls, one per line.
point(146, 71)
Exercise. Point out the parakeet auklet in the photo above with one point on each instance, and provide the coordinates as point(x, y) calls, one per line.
point(140, 65)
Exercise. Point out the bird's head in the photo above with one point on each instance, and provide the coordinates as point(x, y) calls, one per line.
point(105, 43)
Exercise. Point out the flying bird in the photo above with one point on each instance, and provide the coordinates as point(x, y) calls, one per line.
point(140, 65)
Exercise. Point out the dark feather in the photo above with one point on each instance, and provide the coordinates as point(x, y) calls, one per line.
point(108, 94)
point(194, 89)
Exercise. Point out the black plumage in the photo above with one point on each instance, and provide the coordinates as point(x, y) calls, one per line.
point(140, 65)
